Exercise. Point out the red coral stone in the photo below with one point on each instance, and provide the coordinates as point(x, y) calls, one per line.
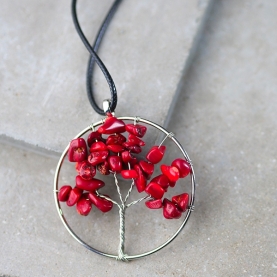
point(183, 166)
point(148, 168)
point(115, 139)
point(77, 166)
point(155, 190)
point(98, 146)
point(112, 125)
point(129, 174)
point(133, 161)
point(74, 196)
point(104, 168)
point(137, 130)
point(64, 193)
point(154, 204)
point(115, 163)
point(132, 148)
point(86, 170)
point(140, 182)
point(147, 176)
point(171, 172)
point(170, 211)
point(116, 148)
point(77, 151)
point(98, 157)
point(161, 180)
point(89, 185)
point(181, 201)
point(155, 154)
point(126, 156)
point(133, 140)
point(102, 204)
point(84, 205)
point(93, 137)
point(172, 184)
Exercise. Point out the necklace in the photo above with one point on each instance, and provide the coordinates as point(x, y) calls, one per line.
point(117, 147)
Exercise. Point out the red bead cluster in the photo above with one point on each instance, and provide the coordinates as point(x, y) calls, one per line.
point(115, 154)
point(159, 185)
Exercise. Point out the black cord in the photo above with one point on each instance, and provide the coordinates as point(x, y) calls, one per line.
point(91, 63)
point(95, 58)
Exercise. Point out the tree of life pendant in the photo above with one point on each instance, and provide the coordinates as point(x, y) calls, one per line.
point(117, 167)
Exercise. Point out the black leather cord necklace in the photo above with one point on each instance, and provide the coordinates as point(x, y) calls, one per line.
point(94, 57)
point(113, 146)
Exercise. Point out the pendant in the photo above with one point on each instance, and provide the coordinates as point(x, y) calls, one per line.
point(115, 147)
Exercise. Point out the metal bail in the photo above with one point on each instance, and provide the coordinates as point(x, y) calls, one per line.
point(106, 105)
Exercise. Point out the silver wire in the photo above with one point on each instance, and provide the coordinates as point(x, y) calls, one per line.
point(169, 135)
point(107, 198)
point(139, 200)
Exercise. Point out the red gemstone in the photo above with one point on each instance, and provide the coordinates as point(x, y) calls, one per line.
point(93, 137)
point(170, 211)
point(161, 180)
point(86, 170)
point(112, 125)
point(148, 168)
point(183, 167)
point(115, 139)
point(154, 204)
point(104, 168)
point(140, 182)
point(74, 196)
point(133, 140)
point(98, 146)
point(77, 166)
point(172, 184)
point(116, 148)
point(155, 154)
point(77, 151)
point(126, 156)
point(137, 130)
point(181, 201)
point(64, 193)
point(84, 205)
point(147, 176)
point(115, 163)
point(98, 157)
point(154, 190)
point(171, 172)
point(102, 204)
point(132, 148)
point(129, 174)
point(89, 185)
point(133, 161)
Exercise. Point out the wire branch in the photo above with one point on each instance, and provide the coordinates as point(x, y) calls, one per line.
point(129, 191)
point(139, 200)
point(107, 198)
point(118, 190)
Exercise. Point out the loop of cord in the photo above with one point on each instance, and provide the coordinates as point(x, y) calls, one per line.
point(94, 58)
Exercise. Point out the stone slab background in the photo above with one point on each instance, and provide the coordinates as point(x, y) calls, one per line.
point(226, 120)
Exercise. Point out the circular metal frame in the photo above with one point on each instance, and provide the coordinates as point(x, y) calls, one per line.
point(132, 257)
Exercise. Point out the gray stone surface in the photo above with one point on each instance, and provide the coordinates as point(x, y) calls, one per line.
point(226, 120)
point(43, 66)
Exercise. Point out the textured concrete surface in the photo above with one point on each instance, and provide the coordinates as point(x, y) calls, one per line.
point(226, 120)
point(43, 66)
